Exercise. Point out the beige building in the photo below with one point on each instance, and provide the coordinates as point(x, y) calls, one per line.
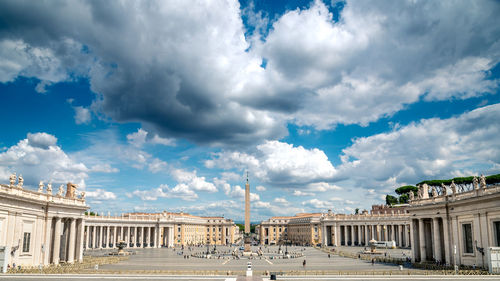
point(455, 225)
point(359, 229)
point(305, 229)
point(40, 228)
point(272, 231)
point(145, 230)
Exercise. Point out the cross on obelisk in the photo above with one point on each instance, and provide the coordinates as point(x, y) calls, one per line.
point(247, 237)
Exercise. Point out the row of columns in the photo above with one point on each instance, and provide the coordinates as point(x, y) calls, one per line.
point(431, 239)
point(100, 236)
point(63, 240)
point(361, 234)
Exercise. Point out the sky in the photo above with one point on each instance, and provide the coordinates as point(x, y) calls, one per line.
point(165, 105)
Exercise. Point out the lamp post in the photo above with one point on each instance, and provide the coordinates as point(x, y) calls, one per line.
point(208, 245)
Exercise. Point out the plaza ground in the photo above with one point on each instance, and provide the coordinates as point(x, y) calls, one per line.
point(173, 260)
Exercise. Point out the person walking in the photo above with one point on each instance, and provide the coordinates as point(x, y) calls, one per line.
point(304, 263)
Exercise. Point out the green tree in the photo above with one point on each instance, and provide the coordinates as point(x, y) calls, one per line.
point(390, 200)
point(405, 189)
point(403, 199)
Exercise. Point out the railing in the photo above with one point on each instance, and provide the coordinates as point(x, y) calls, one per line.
point(39, 196)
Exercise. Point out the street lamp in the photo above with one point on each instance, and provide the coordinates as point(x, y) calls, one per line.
point(208, 245)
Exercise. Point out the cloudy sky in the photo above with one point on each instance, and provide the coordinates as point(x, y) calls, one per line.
point(163, 105)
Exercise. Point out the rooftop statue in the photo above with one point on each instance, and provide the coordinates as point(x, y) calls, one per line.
point(420, 192)
point(82, 195)
point(482, 181)
point(40, 186)
point(61, 190)
point(49, 188)
point(443, 189)
point(411, 196)
point(434, 192)
point(475, 183)
point(453, 187)
point(12, 179)
point(20, 181)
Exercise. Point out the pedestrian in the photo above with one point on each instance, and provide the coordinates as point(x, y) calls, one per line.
point(328, 255)
point(373, 262)
point(304, 263)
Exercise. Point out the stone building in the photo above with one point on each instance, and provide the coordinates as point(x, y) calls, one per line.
point(359, 229)
point(305, 229)
point(273, 230)
point(154, 230)
point(455, 225)
point(40, 228)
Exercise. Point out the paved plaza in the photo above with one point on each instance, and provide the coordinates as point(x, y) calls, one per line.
point(168, 259)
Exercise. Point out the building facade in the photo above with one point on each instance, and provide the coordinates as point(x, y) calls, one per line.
point(39, 228)
point(453, 225)
point(155, 230)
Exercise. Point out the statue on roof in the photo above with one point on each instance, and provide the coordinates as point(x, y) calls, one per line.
point(411, 196)
point(82, 195)
point(49, 188)
point(482, 181)
point(61, 190)
point(444, 190)
point(453, 187)
point(12, 179)
point(434, 192)
point(40, 186)
point(475, 182)
point(20, 181)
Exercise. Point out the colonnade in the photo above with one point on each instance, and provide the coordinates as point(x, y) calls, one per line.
point(134, 236)
point(431, 239)
point(63, 240)
point(341, 234)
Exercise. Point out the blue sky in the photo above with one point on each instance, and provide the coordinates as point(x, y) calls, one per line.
point(157, 105)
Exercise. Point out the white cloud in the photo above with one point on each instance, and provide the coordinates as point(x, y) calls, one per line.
point(157, 165)
point(322, 186)
point(239, 192)
point(100, 194)
point(260, 188)
point(163, 141)
point(302, 193)
point(82, 115)
point(278, 163)
point(318, 204)
point(137, 139)
point(281, 200)
point(181, 191)
point(104, 168)
point(428, 149)
point(38, 157)
point(192, 180)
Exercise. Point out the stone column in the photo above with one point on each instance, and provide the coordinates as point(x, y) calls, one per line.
point(94, 232)
point(366, 235)
point(353, 235)
point(142, 237)
point(413, 231)
point(171, 236)
point(47, 242)
point(148, 237)
point(401, 228)
point(114, 236)
point(386, 232)
point(407, 232)
point(335, 236)
point(108, 228)
point(325, 238)
point(57, 241)
point(393, 232)
point(80, 232)
point(359, 234)
point(447, 242)
point(99, 237)
point(436, 239)
point(127, 236)
point(72, 241)
point(421, 234)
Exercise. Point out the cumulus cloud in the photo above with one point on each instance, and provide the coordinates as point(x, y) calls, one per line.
point(157, 165)
point(260, 188)
point(302, 193)
point(198, 77)
point(139, 138)
point(82, 115)
point(239, 192)
point(278, 163)
point(38, 157)
point(428, 149)
point(181, 191)
point(100, 194)
point(192, 180)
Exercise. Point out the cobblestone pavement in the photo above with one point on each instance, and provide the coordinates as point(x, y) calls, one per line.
point(395, 253)
point(173, 259)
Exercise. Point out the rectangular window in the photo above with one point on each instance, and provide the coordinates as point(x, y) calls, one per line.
point(496, 230)
point(467, 233)
point(26, 242)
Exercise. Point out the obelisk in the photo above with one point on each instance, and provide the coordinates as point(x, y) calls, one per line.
point(247, 237)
